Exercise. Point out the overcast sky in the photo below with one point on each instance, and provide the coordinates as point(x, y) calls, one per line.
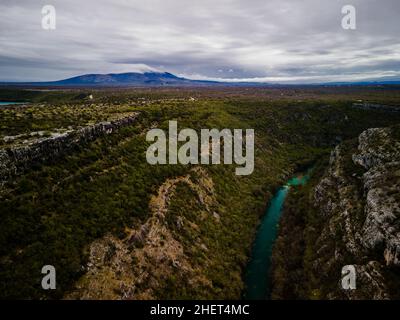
point(262, 40)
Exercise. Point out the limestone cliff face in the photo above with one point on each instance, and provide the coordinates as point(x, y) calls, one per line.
point(359, 200)
point(379, 154)
point(16, 159)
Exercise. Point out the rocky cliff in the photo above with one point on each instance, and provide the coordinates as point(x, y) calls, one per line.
point(16, 159)
point(137, 266)
point(359, 200)
point(348, 214)
point(375, 106)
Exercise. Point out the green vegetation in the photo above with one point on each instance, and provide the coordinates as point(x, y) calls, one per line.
point(290, 281)
point(53, 212)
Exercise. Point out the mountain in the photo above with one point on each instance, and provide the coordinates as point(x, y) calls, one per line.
point(364, 83)
point(122, 79)
point(153, 78)
point(132, 78)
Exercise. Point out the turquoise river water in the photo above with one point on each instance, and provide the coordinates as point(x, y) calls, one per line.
point(257, 271)
point(4, 103)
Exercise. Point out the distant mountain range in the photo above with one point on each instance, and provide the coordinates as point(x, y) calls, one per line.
point(121, 80)
point(135, 79)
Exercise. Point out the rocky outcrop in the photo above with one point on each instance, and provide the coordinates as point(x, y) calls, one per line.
point(375, 106)
point(379, 153)
point(138, 265)
point(359, 200)
point(15, 160)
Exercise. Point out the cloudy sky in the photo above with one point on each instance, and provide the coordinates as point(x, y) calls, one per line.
point(258, 40)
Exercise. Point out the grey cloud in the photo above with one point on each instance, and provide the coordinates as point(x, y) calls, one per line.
point(282, 40)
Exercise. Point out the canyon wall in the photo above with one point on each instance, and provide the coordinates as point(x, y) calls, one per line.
point(359, 199)
point(15, 160)
point(348, 215)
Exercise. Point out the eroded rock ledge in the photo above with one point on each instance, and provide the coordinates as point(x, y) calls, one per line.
point(375, 106)
point(359, 198)
point(16, 159)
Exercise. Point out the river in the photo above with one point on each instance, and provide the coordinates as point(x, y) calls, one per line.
point(257, 278)
point(5, 103)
